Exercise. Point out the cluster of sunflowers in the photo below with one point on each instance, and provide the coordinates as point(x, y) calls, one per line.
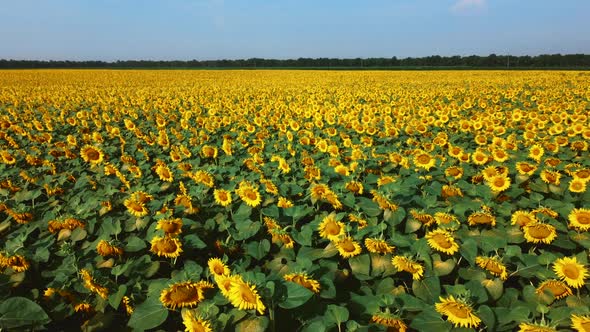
point(315, 200)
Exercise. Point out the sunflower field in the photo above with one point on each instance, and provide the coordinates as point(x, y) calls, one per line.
point(294, 200)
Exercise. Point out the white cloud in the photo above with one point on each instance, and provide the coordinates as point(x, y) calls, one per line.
point(468, 6)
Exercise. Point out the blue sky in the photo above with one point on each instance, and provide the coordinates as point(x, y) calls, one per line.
point(216, 29)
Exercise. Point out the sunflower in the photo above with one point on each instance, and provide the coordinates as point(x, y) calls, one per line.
point(551, 177)
point(167, 246)
point(136, 208)
point(569, 270)
point(226, 282)
point(186, 202)
point(222, 197)
point(17, 263)
point(195, 323)
point(557, 288)
point(164, 173)
point(525, 168)
point(106, 249)
point(579, 219)
point(127, 304)
point(481, 218)
point(249, 194)
point(442, 241)
point(182, 294)
point(217, 267)
point(424, 160)
point(405, 264)
point(530, 327)
point(172, 226)
point(581, 323)
point(92, 154)
point(384, 202)
point(203, 177)
point(302, 279)
point(83, 307)
point(378, 246)
point(492, 265)
point(499, 183)
point(582, 174)
point(284, 203)
point(347, 247)
point(244, 296)
point(444, 219)
point(539, 233)
point(500, 155)
point(208, 151)
point(319, 191)
point(448, 191)
point(7, 157)
point(480, 158)
point(330, 228)
point(355, 187)
point(457, 311)
point(91, 285)
point(523, 218)
point(536, 152)
point(577, 185)
point(423, 217)
point(393, 322)
point(454, 172)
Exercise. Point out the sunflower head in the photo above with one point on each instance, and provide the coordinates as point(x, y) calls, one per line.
point(304, 280)
point(539, 233)
point(217, 267)
point(330, 228)
point(378, 246)
point(167, 246)
point(405, 264)
point(347, 247)
point(181, 295)
point(171, 226)
point(579, 219)
point(458, 312)
point(244, 296)
point(443, 241)
point(569, 270)
point(92, 154)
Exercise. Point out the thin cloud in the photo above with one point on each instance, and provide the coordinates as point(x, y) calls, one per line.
point(468, 6)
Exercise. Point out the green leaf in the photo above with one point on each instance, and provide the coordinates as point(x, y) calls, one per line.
point(487, 317)
point(258, 249)
point(134, 244)
point(242, 214)
point(360, 266)
point(193, 241)
point(369, 207)
point(148, 315)
point(427, 289)
point(469, 250)
point(296, 296)
point(19, 312)
point(430, 320)
point(335, 315)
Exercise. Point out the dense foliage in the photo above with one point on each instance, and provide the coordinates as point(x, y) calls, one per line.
point(471, 61)
point(307, 200)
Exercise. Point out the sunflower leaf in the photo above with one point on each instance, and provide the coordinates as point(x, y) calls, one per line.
point(296, 296)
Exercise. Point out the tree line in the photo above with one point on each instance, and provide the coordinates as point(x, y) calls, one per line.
point(435, 61)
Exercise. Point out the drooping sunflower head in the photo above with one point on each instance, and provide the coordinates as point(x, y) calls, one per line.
point(532, 327)
point(579, 219)
point(481, 218)
point(539, 233)
point(492, 265)
point(551, 177)
point(170, 226)
point(135, 208)
point(164, 173)
point(569, 270)
point(181, 295)
point(195, 323)
point(106, 249)
point(244, 296)
point(458, 312)
point(347, 247)
point(304, 280)
point(405, 264)
point(284, 203)
point(92, 154)
point(454, 172)
point(378, 246)
point(393, 322)
point(523, 218)
point(558, 289)
point(445, 220)
point(167, 246)
point(443, 241)
point(525, 168)
point(217, 267)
